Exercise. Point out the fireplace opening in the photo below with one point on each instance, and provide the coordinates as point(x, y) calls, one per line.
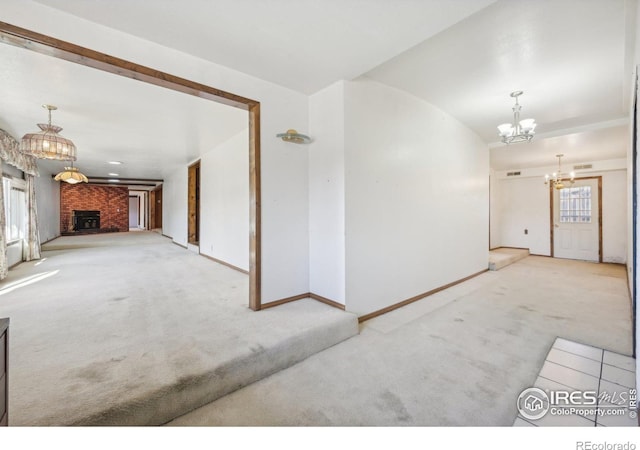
point(86, 220)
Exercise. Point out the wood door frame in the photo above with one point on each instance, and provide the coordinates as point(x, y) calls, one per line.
point(153, 208)
point(47, 45)
point(193, 203)
point(552, 222)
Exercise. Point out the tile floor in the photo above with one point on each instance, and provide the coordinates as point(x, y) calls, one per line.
point(571, 366)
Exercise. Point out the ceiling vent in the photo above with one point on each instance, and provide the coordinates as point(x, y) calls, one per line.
point(513, 174)
point(583, 166)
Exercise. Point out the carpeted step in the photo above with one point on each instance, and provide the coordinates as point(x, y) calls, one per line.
point(503, 257)
point(247, 364)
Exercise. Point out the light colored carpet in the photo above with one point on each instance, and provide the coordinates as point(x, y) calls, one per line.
point(131, 329)
point(502, 257)
point(460, 357)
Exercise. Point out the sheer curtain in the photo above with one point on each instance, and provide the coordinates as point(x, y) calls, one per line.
point(31, 249)
point(10, 154)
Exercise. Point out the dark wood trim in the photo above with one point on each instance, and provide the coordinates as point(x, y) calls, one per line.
point(255, 212)
point(552, 223)
point(167, 236)
point(326, 301)
point(417, 297)
point(193, 203)
point(52, 239)
point(4, 376)
point(600, 256)
point(310, 295)
point(285, 300)
point(124, 180)
point(179, 245)
point(118, 184)
point(219, 261)
point(40, 43)
point(514, 248)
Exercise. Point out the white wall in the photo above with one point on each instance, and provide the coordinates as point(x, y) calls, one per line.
point(48, 201)
point(326, 194)
point(174, 207)
point(614, 216)
point(224, 202)
point(417, 197)
point(495, 231)
point(285, 214)
point(140, 211)
point(525, 205)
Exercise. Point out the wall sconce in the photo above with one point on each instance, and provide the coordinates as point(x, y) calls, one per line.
point(295, 137)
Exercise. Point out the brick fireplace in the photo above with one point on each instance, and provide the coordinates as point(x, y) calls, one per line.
point(102, 208)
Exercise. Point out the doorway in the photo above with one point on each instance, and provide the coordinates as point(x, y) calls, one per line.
point(134, 211)
point(155, 209)
point(576, 220)
point(194, 204)
point(43, 44)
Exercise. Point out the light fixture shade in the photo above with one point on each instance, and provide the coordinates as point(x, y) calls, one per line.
point(71, 175)
point(48, 144)
point(505, 129)
point(294, 137)
point(528, 125)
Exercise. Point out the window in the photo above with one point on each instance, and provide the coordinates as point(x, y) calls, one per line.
point(575, 205)
point(15, 208)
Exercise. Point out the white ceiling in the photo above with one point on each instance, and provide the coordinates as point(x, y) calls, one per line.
point(567, 56)
point(464, 56)
point(303, 44)
point(582, 147)
point(148, 128)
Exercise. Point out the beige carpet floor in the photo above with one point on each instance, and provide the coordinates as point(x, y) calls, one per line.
point(131, 329)
point(460, 357)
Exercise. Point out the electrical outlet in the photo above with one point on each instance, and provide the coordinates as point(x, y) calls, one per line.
point(526, 231)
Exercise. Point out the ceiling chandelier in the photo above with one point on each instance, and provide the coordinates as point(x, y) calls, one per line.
point(519, 130)
point(48, 144)
point(71, 175)
point(295, 137)
point(557, 179)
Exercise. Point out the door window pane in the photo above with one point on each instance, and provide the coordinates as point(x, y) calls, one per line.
point(575, 205)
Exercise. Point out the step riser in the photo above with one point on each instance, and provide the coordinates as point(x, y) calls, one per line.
point(191, 392)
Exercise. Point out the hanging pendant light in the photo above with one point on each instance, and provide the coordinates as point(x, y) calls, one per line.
point(48, 144)
point(519, 130)
point(71, 175)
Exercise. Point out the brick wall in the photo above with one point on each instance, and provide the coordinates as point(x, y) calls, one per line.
point(111, 201)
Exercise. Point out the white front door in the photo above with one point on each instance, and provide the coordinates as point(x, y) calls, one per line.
point(576, 221)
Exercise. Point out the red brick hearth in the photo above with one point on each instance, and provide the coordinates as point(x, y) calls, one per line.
point(111, 201)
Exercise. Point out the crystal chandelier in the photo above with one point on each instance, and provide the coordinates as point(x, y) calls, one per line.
point(519, 130)
point(557, 179)
point(48, 144)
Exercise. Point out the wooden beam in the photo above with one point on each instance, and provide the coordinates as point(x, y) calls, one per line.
point(255, 214)
point(40, 43)
point(46, 45)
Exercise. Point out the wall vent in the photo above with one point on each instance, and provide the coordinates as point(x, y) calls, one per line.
point(513, 174)
point(583, 166)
